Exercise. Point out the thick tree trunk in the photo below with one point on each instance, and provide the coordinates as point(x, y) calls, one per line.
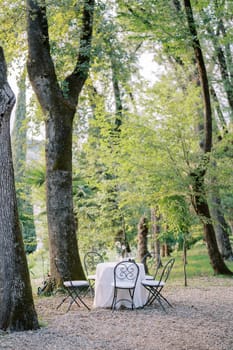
point(17, 310)
point(61, 220)
point(59, 109)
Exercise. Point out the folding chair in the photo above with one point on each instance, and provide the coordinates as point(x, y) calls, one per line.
point(152, 263)
point(155, 286)
point(74, 288)
point(125, 277)
point(91, 259)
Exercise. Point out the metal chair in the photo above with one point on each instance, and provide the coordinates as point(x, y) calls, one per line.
point(151, 263)
point(125, 277)
point(155, 286)
point(91, 259)
point(74, 288)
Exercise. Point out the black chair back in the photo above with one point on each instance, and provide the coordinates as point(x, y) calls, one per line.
point(91, 259)
point(166, 270)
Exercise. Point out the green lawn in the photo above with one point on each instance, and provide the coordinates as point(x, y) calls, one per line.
point(198, 266)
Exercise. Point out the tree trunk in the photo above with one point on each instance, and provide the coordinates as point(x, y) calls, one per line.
point(59, 109)
point(17, 310)
point(142, 239)
point(199, 196)
point(155, 232)
point(61, 220)
point(221, 227)
point(202, 209)
point(185, 262)
point(222, 64)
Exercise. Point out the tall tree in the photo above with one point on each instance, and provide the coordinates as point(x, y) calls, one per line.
point(167, 34)
point(59, 107)
point(17, 310)
point(198, 175)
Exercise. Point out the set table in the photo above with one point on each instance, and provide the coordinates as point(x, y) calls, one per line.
point(104, 287)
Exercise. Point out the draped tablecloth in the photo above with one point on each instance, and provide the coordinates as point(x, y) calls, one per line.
point(104, 287)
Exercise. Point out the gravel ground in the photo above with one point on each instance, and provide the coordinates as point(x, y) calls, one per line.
point(201, 319)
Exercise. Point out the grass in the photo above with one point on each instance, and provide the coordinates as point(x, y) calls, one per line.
point(197, 268)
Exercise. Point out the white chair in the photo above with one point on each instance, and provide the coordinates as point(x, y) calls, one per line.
point(74, 288)
point(125, 277)
point(155, 286)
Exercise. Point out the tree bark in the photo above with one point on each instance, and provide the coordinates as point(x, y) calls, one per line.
point(156, 229)
point(222, 62)
point(198, 175)
point(17, 310)
point(142, 240)
point(221, 227)
point(59, 109)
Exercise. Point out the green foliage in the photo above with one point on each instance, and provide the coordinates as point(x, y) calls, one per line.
point(12, 33)
point(23, 190)
point(159, 143)
point(118, 176)
point(36, 174)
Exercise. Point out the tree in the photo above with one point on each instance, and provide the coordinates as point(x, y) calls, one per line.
point(198, 175)
point(17, 310)
point(174, 44)
point(59, 105)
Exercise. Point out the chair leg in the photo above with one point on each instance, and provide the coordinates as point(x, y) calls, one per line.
point(81, 301)
point(114, 299)
point(74, 296)
point(131, 293)
point(155, 294)
point(164, 299)
point(63, 300)
point(91, 287)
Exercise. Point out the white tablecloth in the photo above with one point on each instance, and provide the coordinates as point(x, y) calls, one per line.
point(104, 289)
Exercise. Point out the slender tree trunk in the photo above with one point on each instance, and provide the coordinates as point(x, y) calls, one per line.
point(155, 232)
point(185, 262)
point(222, 229)
point(59, 109)
point(17, 310)
point(228, 51)
point(198, 176)
point(222, 62)
point(142, 239)
point(219, 113)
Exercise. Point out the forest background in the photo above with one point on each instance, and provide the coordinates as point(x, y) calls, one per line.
point(103, 155)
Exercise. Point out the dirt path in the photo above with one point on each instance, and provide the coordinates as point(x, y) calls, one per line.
point(202, 319)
